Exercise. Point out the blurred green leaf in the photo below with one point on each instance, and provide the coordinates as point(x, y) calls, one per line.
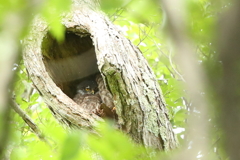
point(34, 97)
point(115, 145)
point(51, 11)
point(71, 146)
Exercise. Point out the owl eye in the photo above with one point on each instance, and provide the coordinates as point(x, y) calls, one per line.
point(88, 89)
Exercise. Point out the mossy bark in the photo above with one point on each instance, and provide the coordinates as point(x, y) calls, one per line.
point(140, 107)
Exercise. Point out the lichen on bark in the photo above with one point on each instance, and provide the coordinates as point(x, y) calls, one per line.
point(140, 107)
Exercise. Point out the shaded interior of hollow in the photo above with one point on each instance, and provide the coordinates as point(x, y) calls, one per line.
point(71, 61)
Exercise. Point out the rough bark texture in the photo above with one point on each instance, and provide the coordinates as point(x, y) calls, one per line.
point(63, 107)
point(137, 96)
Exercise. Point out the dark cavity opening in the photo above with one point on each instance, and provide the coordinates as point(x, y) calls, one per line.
point(70, 61)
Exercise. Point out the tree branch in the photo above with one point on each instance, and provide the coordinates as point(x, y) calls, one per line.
point(29, 121)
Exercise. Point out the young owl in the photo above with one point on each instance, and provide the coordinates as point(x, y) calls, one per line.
point(95, 97)
point(87, 96)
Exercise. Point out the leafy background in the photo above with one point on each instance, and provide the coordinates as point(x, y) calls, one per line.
point(144, 23)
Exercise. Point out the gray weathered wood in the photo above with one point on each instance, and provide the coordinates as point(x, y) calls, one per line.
point(137, 96)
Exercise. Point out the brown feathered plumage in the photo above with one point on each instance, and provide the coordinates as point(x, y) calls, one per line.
point(95, 97)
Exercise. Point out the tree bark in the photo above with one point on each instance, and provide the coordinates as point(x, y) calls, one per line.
point(227, 84)
point(136, 94)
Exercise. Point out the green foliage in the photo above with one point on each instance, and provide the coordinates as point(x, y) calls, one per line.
point(118, 145)
point(62, 144)
point(51, 11)
point(146, 32)
point(21, 12)
point(142, 22)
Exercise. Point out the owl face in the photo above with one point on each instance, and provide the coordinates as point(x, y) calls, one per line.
point(87, 87)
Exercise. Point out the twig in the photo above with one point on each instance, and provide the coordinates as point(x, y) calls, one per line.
point(29, 121)
point(145, 34)
point(169, 57)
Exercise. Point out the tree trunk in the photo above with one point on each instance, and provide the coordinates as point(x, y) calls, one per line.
point(93, 44)
point(227, 82)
